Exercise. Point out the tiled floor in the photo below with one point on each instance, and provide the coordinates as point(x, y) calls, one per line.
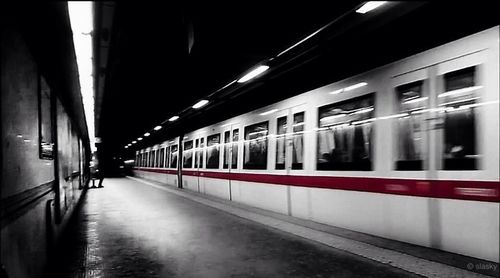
point(128, 229)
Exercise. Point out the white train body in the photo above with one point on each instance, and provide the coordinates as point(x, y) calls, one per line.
point(362, 158)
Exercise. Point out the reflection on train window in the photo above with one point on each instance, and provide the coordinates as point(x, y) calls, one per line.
point(157, 153)
point(344, 135)
point(188, 154)
point(162, 157)
point(173, 156)
point(200, 153)
point(196, 150)
point(255, 148)
point(411, 103)
point(167, 157)
point(227, 143)
point(280, 143)
point(298, 141)
point(234, 155)
point(152, 159)
point(212, 156)
point(459, 103)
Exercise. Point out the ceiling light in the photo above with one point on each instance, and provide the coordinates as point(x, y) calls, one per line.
point(368, 6)
point(355, 86)
point(268, 112)
point(126, 147)
point(254, 73)
point(147, 134)
point(133, 142)
point(158, 127)
point(139, 139)
point(336, 92)
point(200, 104)
point(171, 120)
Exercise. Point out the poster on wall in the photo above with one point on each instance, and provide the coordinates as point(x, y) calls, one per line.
point(46, 140)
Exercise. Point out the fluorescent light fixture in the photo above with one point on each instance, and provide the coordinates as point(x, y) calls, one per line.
point(133, 142)
point(254, 73)
point(460, 91)
point(369, 6)
point(333, 117)
point(139, 139)
point(365, 110)
point(147, 134)
point(174, 118)
point(336, 92)
point(355, 86)
point(458, 101)
point(200, 104)
point(126, 147)
point(158, 127)
point(81, 19)
point(394, 116)
point(414, 100)
point(19, 136)
point(363, 121)
point(268, 112)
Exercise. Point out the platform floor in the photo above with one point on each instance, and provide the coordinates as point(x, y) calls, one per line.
point(134, 229)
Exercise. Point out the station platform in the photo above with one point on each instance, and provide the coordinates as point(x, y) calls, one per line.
point(138, 228)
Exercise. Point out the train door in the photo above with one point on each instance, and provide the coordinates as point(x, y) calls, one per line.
point(200, 150)
point(436, 126)
point(290, 135)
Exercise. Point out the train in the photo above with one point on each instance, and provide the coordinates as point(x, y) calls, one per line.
point(407, 151)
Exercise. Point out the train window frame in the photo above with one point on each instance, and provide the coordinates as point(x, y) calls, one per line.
point(226, 149)
point(361, 164)
point(247, 147)
point(208, 150)
point(471, 154)
point(418, 124)
point(281, 142)
point(174, 154)
point(298, 130)
point(235, 148)
point(185, 151)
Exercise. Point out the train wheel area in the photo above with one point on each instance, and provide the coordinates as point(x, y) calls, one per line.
point(141, 228)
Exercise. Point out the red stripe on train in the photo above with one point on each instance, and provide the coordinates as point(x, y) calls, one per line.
point(488, 191)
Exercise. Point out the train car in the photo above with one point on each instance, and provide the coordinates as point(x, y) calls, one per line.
point(407, 151)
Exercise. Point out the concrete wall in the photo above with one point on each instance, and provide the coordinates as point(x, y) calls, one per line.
point(29, 232)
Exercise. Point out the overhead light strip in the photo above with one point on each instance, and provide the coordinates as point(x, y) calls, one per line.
point(81, 19)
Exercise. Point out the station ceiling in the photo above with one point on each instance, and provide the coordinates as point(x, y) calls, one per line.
point(164, 58)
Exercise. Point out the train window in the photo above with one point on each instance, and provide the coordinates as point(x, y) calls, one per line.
point(255, 148)
point(173, 156)
point(188, 154)
point(167, 157)
point(162, 158)
point(345, 135)
point(298, 141)
point(212, 156)
point(157, 154)
point(411, 101)
point(234, 155)
point(200, 152)
point(196, 147)
point(280, 143)
point(459, 103)
point(227, 139)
